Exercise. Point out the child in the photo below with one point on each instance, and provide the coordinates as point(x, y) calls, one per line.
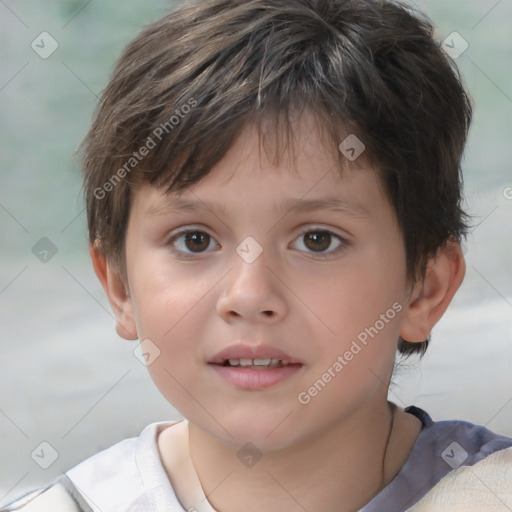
point(310, 150)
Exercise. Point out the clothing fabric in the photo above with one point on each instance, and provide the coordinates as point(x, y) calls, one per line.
point(60, 496)
point(453, 466)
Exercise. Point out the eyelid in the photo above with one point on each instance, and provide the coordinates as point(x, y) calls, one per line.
point(310, 228)
point(313, 228)
point(176, 234)
point(318, 227)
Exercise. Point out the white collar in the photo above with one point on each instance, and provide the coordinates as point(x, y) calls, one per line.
point(181, 471)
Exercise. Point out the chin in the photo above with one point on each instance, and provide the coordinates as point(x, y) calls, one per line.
point(266, 430)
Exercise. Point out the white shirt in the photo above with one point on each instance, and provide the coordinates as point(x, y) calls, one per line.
point(130, 476)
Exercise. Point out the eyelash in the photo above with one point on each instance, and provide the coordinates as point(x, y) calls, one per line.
point(344, 243)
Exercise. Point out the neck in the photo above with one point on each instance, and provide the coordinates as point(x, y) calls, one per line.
point(340, 470)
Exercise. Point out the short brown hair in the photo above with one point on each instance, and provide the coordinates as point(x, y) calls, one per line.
point(188, 84)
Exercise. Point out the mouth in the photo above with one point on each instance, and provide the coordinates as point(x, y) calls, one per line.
point(257, 357)
point(254, 367)
point(256, 364)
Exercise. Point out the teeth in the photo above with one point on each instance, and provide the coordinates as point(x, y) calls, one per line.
point(262, 362)
point(256, 362)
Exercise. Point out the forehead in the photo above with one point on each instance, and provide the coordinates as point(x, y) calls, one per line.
point(287, 141)
point(306, 175)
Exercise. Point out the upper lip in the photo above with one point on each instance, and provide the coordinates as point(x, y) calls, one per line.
point(242, 351)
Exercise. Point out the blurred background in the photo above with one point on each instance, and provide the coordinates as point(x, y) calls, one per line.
point(65, 377)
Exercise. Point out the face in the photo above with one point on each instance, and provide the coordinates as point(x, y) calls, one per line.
point(274, 295)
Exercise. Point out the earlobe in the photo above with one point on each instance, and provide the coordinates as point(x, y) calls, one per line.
point(430, 298)
point(115, 289)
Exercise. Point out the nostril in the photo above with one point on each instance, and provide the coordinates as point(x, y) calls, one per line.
point(268, 313)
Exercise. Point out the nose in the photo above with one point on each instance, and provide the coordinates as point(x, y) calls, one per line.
point(252, 294)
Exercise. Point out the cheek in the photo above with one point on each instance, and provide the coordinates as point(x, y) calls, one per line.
point(170, 310)
point(174, 321)
point(352, 300)
point(360, 311)
point(166, 298)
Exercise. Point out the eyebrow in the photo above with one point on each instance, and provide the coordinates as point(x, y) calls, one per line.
point(350, 207)
point(346, 206)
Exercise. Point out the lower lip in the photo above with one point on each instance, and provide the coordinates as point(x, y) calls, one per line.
point(251, 379)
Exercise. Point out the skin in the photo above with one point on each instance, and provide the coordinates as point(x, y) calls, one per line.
point(193, 304)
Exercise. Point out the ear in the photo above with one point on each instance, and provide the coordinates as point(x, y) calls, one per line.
point(430, 298)
point(117, 294)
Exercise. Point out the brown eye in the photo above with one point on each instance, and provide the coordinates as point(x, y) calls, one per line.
point(318, 241)
point(197, 241)
point(321, 243)
point(191, 242)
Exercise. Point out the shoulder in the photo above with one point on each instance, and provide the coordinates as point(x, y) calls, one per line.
point(469, 468)
point(487, 485)
point(57, 497)
point(124, 476)
point(118, 478)
point(454, 465)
